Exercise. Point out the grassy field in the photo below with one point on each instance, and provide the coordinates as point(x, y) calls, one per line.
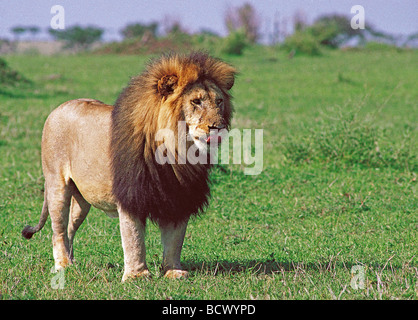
point(338, 188)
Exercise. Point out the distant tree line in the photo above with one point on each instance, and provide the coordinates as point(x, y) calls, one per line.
point(244, 29)
point(78, 37)
point(332, 31)
point(20, 30)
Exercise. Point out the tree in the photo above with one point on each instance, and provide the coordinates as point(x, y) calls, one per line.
point(172, 26)
point(18, 31)
point(299, 20)
point(334, 30)
point(375, 35)
point(411, 40)
point(78, 37)
point(244, 18)
point(139, 30)
point(33, 30)
point(328, 30)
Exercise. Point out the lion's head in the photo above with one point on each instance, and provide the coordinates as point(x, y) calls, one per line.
point(198, 91)
point(175, 88)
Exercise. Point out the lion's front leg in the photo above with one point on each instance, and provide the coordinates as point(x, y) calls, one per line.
point(172, 237)
point(132, 231)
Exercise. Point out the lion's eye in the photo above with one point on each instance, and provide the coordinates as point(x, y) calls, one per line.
point(197, 101)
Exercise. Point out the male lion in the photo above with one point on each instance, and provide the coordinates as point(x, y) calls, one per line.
point(102, 155)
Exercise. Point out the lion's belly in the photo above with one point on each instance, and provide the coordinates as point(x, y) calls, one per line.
point(96, 188)
point(98, 195)
point(92, 176)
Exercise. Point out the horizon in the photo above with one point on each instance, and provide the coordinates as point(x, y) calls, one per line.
point(394, 18)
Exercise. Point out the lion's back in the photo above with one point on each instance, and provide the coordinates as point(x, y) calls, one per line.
point(68, 124)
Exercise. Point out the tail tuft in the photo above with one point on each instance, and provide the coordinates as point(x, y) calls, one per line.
point(28, 232)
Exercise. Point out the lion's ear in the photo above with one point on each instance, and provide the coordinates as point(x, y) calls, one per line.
point(226, 76)
point(167, 84)
point(230, 81)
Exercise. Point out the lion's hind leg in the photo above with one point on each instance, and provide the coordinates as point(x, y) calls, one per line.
point(59, 196)
point(78, 212)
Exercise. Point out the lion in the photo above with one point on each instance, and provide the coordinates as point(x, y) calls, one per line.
point(95, 154)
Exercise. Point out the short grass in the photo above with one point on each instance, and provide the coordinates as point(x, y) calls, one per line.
point(338, 187)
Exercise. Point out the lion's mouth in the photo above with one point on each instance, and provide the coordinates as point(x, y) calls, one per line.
point(216, 139)
point(211, 140)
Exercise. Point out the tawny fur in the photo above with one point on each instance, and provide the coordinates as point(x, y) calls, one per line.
point(153, 101)
point(105, 156)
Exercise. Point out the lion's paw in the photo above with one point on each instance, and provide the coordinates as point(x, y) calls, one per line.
point(142, 274)
point(176, 274)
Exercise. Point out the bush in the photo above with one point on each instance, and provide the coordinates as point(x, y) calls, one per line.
point(208, 42)
point(352, 140)
point(10, 77)
point(139, 30)
point(235, 43)
point(302, 42)
point(380, 46)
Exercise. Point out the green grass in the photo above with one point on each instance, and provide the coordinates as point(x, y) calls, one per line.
point(338, 188)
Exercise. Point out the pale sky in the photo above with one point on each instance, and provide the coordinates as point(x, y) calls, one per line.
point(392, 16)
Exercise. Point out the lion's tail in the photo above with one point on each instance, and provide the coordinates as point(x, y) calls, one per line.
point(29, 231)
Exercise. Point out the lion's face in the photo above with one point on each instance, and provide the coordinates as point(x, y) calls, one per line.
point(195, 89)
point(205, 112)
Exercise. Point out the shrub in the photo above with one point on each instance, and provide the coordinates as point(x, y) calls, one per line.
point(380, 46)
point(351, 140)
point(139, 30)
point(208, 41)
point(10, 77)
point(302, 42)
point(235, 43)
